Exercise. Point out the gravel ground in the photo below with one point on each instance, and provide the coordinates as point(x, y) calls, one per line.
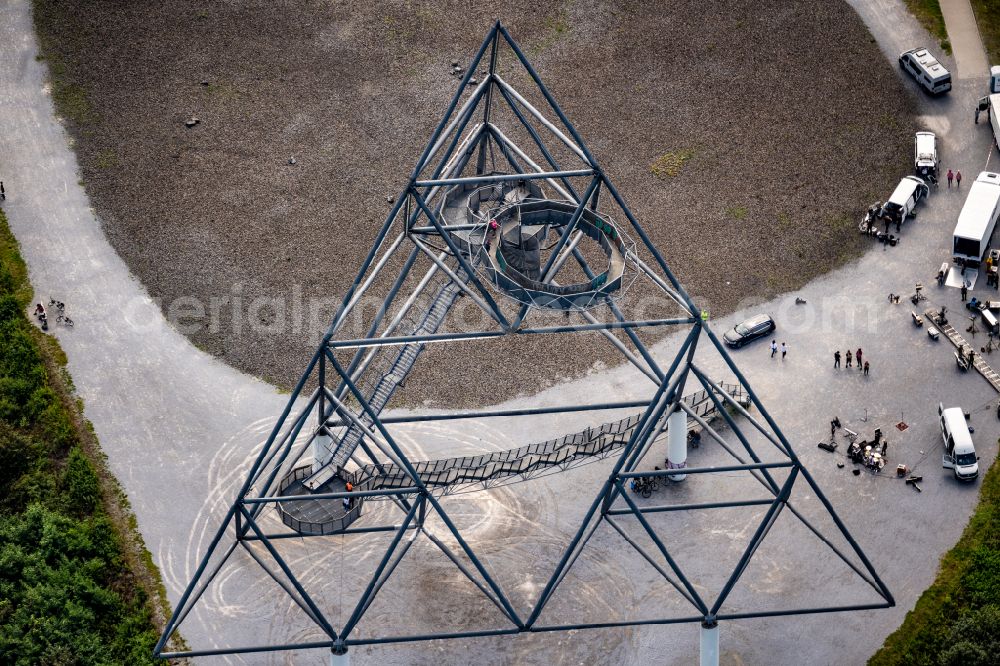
point(764, 99)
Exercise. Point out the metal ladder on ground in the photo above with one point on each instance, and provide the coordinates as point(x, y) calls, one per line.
point(978, 362)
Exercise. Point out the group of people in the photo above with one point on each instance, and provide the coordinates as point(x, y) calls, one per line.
point(870, 454)
point(850, 358)
point(954, 176)
point(774, 349)
point(991, 273)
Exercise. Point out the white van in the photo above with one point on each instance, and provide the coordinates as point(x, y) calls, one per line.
point(904, 198)
point(959, 452)
point(929, 73)
point(925, 155)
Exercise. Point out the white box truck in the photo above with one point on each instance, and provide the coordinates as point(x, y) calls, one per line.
point(991, 105)
point(977, 220)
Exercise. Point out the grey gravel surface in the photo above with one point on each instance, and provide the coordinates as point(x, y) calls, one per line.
point(793, 122)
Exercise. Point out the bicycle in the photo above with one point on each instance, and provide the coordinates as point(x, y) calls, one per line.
point(644, 486)
point(62, 317)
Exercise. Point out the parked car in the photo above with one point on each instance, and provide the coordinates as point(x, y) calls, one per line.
point(749, 330)
point(925, 68)
point(925, 154)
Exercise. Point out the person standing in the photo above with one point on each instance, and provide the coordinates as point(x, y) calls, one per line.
point(951, 177)
point(836, 359)
point(857, 355)
point(866, 368)
point(965, 292)
point(958, 180)
point(784, 350)
point(774, 348)
point(848, 364)
point(3, 195)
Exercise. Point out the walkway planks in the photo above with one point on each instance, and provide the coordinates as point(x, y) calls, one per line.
point(979, 362)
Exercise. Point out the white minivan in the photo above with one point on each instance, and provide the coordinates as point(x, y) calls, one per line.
point(925, 68)
point(959, 452)
point(925, 155)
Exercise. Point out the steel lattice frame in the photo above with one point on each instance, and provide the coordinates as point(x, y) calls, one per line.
point(414, 218)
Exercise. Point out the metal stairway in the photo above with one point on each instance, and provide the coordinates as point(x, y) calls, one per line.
point(386, 383)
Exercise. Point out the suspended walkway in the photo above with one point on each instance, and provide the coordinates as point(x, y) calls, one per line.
point(452, 475)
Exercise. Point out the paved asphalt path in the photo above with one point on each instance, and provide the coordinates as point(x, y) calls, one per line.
point(966, 43)
point(179, 427)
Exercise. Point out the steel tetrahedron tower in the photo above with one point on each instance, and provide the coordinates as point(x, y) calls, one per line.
point(509, 218)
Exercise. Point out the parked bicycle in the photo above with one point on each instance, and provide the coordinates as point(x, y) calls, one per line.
point(60, 308)
point(644, 486)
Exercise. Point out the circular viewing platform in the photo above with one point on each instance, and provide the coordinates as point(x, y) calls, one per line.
point(316, 515)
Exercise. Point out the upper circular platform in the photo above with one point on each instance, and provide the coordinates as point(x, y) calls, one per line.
point(511, 227)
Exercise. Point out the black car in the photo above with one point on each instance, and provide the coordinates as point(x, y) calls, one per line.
point(749, 330)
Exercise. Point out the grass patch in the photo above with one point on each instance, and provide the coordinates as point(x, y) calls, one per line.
point(222, 92)
point(928, 12)
point(77, 585)
point(988, 17)
point(737, 212)
point(555, 27)
point(668, 165)
point(889, 122)
point(15, 273)
point(106, 159)
point(947, 624)
point(68, 96)
point(784, 221)
point(839, 221)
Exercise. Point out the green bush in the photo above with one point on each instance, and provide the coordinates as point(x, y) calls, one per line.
point(974, 640)
point(83, 490)
point(16, 454)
